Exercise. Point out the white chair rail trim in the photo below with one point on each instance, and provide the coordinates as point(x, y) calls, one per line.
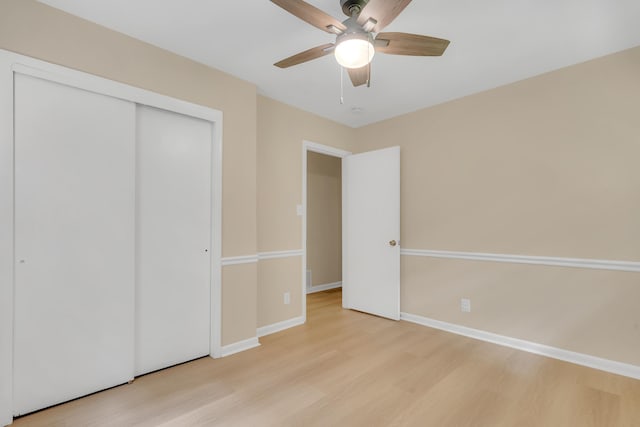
point(280, 254)
point(526, 259)
point(248, 259)
point(243, 259)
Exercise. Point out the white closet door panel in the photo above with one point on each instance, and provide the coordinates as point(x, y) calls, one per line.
point(173, 238)
point(74, 243)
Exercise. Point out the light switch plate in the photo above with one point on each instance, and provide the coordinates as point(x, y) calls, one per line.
point(299, 210)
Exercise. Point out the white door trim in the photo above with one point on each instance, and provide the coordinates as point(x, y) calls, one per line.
point(329, 151)
point(12, 63)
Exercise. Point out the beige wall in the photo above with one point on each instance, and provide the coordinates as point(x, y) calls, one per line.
point(239, 302)
point(278, 276)
point(33, 29)
point(281, 132)
point(587, 311)
point(547, 166)
point(324, 218)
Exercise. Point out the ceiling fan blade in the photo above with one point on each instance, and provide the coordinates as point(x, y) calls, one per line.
point(410, 44)
point(312, 15)
point(382, 11)
point(359, 76)
point(307, 55)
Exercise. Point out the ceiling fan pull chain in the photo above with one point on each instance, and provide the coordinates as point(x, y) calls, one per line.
point(369, 67)
point(341, 85)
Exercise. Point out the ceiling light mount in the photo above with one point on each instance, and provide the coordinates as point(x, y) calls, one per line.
point(353, 7)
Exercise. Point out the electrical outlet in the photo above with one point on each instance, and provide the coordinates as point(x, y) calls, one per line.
point(465, 305)
point(287, 297)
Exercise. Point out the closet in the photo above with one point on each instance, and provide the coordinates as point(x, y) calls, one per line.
point(113, 240)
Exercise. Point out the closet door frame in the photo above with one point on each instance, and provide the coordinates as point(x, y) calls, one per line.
point(12, 64)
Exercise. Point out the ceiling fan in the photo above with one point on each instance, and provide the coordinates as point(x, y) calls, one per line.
point(359, 36)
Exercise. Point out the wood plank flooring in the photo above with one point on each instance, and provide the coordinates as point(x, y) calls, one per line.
point(344, 368)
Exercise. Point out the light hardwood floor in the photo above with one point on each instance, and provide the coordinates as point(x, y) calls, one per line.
point(344, 368)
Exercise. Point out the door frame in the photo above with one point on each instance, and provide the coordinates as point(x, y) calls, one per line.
point(12, 63)
point(329, 151)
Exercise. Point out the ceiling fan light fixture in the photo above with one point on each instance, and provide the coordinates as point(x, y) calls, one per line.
point(354, 50)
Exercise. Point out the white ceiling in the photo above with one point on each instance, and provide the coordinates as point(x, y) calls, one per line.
point(493, 42)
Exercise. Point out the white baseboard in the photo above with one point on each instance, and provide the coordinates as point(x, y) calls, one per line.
point(606, 365)
point(280, 326)
point(325, 287)
point(239, 346)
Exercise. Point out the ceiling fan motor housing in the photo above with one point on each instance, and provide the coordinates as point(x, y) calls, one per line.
point(353, 7)
point(352, 27)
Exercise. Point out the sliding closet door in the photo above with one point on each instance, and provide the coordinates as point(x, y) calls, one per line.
point(74, 242)
point(173, 238)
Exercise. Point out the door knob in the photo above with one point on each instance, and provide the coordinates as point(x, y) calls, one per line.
point(392, 243)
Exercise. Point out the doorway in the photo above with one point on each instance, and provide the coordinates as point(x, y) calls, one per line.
point(321, 218)
point(370, 229)
point(324, 222)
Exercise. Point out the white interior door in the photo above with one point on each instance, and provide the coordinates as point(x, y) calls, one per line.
point(371, 232)
point(173, 226)
point(74, 243)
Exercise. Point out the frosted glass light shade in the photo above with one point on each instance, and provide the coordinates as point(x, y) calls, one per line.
point(354, 52)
